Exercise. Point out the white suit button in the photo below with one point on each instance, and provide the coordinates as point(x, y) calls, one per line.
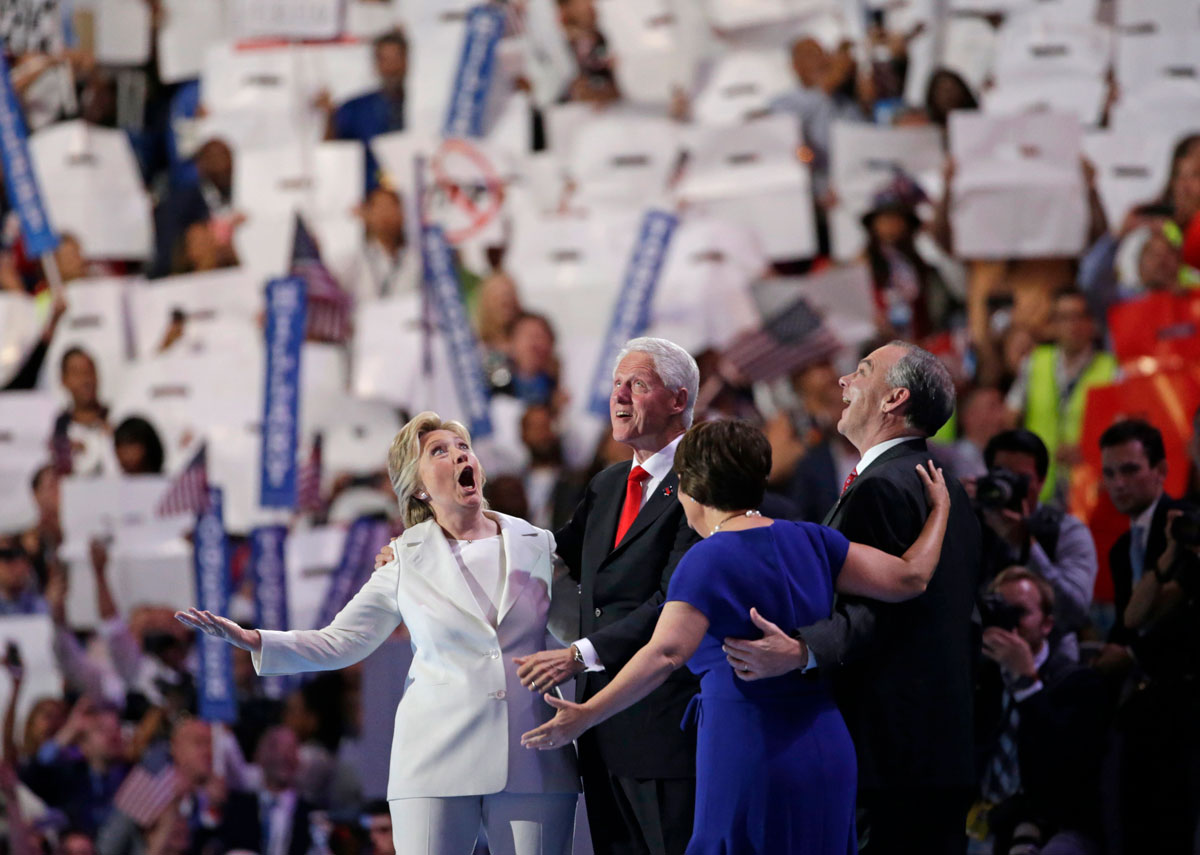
point(493, 654)
point(498, 695)
point(598, 612)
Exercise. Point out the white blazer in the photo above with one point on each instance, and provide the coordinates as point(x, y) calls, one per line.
point(459, 724)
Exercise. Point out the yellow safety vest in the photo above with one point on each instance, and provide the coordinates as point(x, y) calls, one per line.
point(1056, 421)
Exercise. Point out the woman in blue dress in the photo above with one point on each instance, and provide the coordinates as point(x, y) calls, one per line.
point(775, 767)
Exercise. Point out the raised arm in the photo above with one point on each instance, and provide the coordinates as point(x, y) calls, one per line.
point(366, 621)
point(678, 633)
point(871, 572)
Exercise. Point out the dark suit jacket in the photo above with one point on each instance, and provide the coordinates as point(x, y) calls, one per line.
point(1061, 735)
point(1122, 571)
point(903, 671)
point(620, 593)
point(241, 824)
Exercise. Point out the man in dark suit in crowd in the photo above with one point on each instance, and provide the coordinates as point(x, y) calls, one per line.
point(903, 671)
point(622, 545)
point(1040, 722)
point(1133, 464)
point(274, 820)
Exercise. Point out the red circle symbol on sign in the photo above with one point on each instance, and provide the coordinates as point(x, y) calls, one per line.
point(470, 187)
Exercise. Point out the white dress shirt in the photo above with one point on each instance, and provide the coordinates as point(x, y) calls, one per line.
point(657, 466)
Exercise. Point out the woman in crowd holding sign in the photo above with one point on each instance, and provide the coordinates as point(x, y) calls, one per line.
point(473, 588)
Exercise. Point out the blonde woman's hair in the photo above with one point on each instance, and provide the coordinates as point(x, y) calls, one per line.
point(404, 459)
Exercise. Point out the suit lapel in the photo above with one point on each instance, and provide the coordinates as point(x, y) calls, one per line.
point(602, 526)
point(522, 551)
point(431, 557)
point(663, 498)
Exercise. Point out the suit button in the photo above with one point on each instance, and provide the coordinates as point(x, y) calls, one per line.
point(498, 695)
point(598, 612)
point(493, 654)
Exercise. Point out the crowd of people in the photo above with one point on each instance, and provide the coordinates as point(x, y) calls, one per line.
point(1035, 695)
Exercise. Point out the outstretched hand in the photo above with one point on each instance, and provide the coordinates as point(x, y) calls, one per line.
point(222, 628)
point(935, 484)
point(774, 654)
point(571, 720)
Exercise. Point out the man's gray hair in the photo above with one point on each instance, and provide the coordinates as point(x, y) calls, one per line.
point(929, 384)
point(673, 365)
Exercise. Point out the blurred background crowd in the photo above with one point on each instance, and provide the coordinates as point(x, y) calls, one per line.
point(1013, 184)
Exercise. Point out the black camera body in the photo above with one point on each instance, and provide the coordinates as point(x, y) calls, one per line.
point(1000, 490)
point(999, 612)
point(1185, 528)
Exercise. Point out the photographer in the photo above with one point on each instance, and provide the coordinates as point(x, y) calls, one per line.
point(1040, 724)
point(1018, 530)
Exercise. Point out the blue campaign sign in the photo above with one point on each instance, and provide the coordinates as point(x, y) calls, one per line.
point(217, 701)
point(476, 67)
point(632, 313)
point(286, 318)
point(441, 280)
point(267, 557)
point(19, 178)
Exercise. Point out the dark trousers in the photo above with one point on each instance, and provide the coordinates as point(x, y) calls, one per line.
point(635, 816)
point(913, 821)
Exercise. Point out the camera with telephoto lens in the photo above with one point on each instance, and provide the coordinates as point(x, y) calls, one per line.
point(1001, 489)
point(999, 612)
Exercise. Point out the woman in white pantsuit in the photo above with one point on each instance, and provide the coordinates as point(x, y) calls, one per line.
point(473, 588)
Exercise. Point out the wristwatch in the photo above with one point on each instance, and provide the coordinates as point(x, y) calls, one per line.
point(578, 655)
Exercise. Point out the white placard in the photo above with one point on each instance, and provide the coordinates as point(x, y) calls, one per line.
point(1131, 169)
point(549, 61)
point(1081, 95)
point(97, 507)
point(187, 30)
point(93, 188)
point(750, 174)
point(1156, 40)
point(741, 84)
point(1007, 167)
point(95, 321)
point(34, 637)
point(310, 558)
point(366, 19)
point(623, 156)
point(864, 160)
point(26, 421)
point(746, 14)
point(1039, 42)
point(204, 299)
point(122, 32)
point(20, 327)
point(1166, 108)
point(651, 54)
point(287, 19)
point(325, 179)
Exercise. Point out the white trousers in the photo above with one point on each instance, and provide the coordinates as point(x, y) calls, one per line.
point(516, 823)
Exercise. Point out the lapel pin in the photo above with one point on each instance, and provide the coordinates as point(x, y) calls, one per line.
point(666, 491)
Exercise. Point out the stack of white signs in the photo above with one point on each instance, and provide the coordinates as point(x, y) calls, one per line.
point(1018, 190)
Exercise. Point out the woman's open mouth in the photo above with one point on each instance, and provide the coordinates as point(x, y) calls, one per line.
point(466, 480)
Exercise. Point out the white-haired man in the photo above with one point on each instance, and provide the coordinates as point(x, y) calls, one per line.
point(621, 545)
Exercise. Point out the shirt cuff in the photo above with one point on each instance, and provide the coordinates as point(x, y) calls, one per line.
point(591, 662)
point(812, 660)
point(1020, 695)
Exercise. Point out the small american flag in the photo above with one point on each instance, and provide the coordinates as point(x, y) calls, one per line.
point(793, 338)
point(144, 795)
point(329, 306)
point(308, 484)
point(188, 491)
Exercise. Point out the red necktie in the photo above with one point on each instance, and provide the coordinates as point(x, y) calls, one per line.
point(633, 502)
point(849, 480)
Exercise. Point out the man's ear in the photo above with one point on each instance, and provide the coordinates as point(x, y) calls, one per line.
point(680, 402)
point(895, 399)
